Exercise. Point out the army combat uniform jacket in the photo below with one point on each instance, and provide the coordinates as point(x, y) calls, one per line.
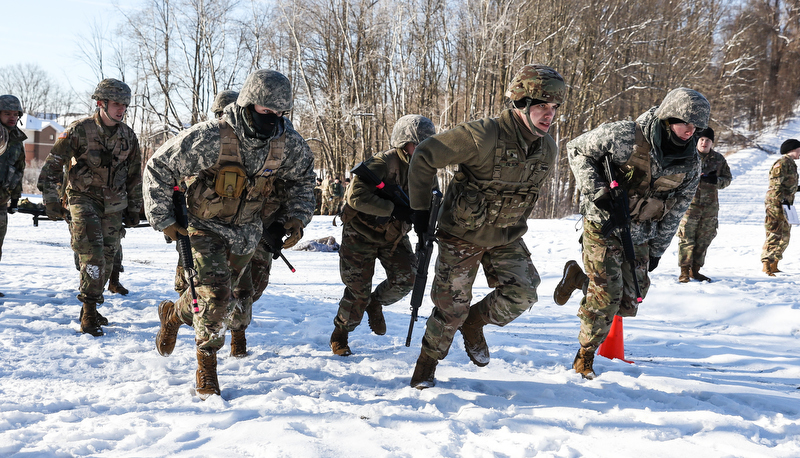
point(12, 166)
point(783, 180)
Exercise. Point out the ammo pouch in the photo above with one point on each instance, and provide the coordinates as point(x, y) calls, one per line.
point(497, 203)
point(230, 181)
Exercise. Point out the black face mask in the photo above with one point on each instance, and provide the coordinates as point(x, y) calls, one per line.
point(265, 124)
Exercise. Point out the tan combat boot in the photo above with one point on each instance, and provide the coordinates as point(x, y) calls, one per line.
point(685, 275)
point(423, 372)
point(89, 320)
point(339, 342)
point(768, 268)
point(572, 279)
point(238, 344)
point(583, 363)
point(774, 267)
point(114, 285)
point(207, 383)
point(698, 276)
point(101, 320)
point(375, 318)
point(168, 333)
point(474, 341)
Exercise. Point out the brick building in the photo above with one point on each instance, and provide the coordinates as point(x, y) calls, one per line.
point(42, 134)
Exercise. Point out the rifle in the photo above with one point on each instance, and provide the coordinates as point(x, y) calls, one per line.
point(390, 192)
point(424, 252)
point(275, 244)
point(621, 221)
point(37, 214)
point(184, 244)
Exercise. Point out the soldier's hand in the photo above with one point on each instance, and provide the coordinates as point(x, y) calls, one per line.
point(603, 201)
point(420, 221)
point(173, 231)
point(131, 219)
point(710, 177)
point(53, 211)
point(12, 206)
point(295, 230)
point(274, 238)
point(653, 263)
point(786, 202)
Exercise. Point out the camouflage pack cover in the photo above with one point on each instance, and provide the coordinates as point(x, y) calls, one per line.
point(9, 102)
point(538, 82)
point(687, 105)
point(114, 90)
point(267, 88)
point(222, 100)
point(411, 129)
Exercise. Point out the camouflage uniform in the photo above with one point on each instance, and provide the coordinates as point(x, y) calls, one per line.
point(660, 177)
point(224, 242)
point(371, 232)
point(103, 183)
point(782, 187)
point(318, 198)
point(699, 225)
point(482, 220)
point(12, 165)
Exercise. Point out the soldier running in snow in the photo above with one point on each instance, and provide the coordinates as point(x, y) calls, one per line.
point(782, 187)
point(502, 163)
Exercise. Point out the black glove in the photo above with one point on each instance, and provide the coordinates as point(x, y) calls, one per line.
point(131, 219)
point(403, 213)
point(273, 236)
point(653, 263)
point(786, 202)
point(603, 201)
point(420, 220)
point(710, 177)
point(12, 206)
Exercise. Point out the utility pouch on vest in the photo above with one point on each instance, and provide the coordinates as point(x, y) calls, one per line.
point(469, 206)
point(230, 181)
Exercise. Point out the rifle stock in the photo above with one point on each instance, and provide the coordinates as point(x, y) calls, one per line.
point(619, 205)
point(184, 243)
point(424, 252)
point(391, 192)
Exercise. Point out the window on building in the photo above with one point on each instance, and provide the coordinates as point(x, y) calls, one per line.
point(51, 137)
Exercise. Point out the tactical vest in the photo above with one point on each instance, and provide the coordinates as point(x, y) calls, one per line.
point(100, 167)
point(642, 189)
point(509, 195)
point(224, 191)
point(10, 177)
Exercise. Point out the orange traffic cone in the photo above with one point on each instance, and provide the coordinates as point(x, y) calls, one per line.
point(613, 347)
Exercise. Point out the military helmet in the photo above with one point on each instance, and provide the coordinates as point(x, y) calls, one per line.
point(114, 90)
point(687, 105)
point(9, 102)
point(223, 99)
point(267, 88)
point(539, 82)
point(411, 129)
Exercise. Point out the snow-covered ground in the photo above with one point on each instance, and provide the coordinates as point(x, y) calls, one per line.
point(716, 372)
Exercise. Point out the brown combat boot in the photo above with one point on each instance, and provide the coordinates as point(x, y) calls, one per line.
point(774, 267)
point(101, 320)
point(339, 342)
point(698, 276)
point(423, 372)
point(89, 320)
point(168, 333)
point(238, 344)
point(375, 318)
point(572, 279)
point(685, 274)
point(583, 363)
point(207, 383)
point(768, 268)
point(474, 341)
point(113, 283)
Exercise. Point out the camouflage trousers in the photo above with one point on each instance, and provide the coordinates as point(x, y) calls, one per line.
point(224, 293)
point(259, 269)
point(357, 257)
point(611, 290)
point(778, 232)
point(95, 240)
point(3, 226)
point(508, 269)
point(695, 233)
point(331, 205)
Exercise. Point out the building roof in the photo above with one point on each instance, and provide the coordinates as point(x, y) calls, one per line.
point(32, 123)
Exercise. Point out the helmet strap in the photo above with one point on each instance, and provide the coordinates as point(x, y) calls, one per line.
point(535, 130)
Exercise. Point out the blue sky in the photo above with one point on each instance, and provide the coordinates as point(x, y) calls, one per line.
point(46, 32)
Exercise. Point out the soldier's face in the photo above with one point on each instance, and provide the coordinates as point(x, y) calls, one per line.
point(9, 118)
point(704, 145)
point(541, 115)
point(683, 130)
point(113, 113)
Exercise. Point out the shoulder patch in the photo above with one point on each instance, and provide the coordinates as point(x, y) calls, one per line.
point(63, 135)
